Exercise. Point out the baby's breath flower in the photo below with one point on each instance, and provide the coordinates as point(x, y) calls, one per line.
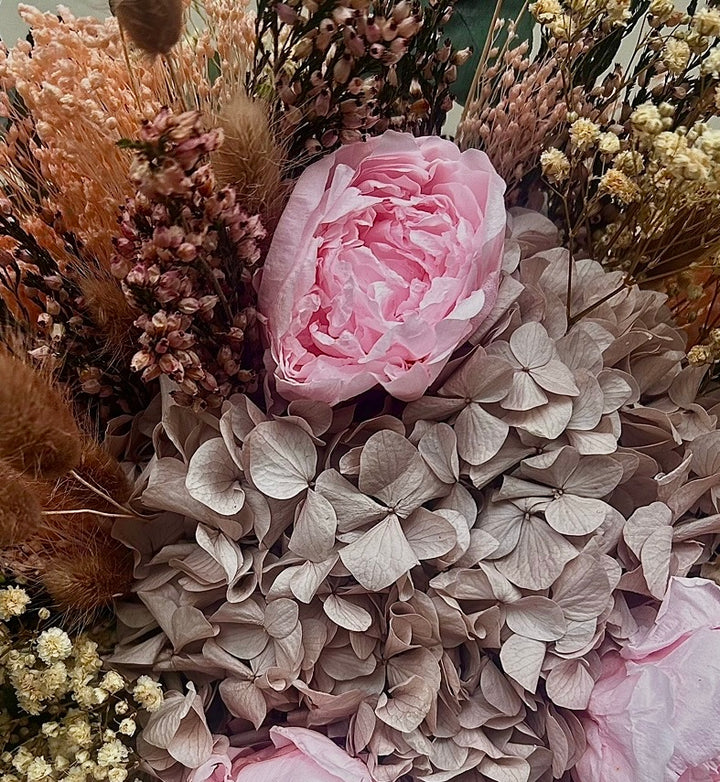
point(121, 707)
point(699, 355)
point(619, 186)
point(608, 143)
point(545, 11)
point(117, 774)
point(646, 119)
point(44, 613)
point(50, 729)
point(127, 727)
point(38, 769)
point(79, 731)
point(584, 133)
point(711, 64)
point(112, 682)
point(53, 644)
point(707, 22)
point(112, 753)
point(22, 760)
point(13, 602)
point(676, 55)
point(555, 165)
point(148, 693)
point(661, 9)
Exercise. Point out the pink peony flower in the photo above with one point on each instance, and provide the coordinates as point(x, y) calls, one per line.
point(654, 714)
point(298, 755)
point(386, 258)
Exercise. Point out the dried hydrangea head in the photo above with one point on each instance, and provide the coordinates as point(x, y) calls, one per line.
point(438, 576)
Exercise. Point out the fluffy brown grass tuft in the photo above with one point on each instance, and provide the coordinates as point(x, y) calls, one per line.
point(98, 468)
point(154, 26)
point(38, 433)
point(81, 566)
point(250, 158)
point(109, 310)
point(20, 510)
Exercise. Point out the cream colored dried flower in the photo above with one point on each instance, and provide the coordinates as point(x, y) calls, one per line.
point(555, 165)
point(112, 682)
point(711, 64)
point(699, 355)
point(22, 759)
point(707, 22)
point(661, 9)
point(608, 143)
point(148, 693)
point(13, 602)
point(53, 644)
point(117, 774)
point(617, 12)
point(584, 133)
point(545, 11)
point(562, 27)
point(38, 769)
point(127, 727)
point(646, 119)
point(676, 55)
point(112, 753)
point(619, 186)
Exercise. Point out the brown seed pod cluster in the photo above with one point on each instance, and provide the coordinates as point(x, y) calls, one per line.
point(55, 488)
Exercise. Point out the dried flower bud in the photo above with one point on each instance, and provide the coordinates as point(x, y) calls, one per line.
point(154, 26)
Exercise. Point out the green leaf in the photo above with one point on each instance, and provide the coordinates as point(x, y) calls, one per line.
point(470, 25)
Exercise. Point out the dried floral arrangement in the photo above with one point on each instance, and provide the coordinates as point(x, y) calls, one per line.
point(337, 445)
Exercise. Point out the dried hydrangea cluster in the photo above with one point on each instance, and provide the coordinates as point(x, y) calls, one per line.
point(185, 257)
point(63, 717)
point(343, 70)
point(432, 583)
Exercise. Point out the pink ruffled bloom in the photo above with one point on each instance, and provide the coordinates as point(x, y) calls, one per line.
point(385, 259)
point(654, 715)
point(298, 755)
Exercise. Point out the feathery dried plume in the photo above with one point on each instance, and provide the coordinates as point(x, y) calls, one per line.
point(250, 158)
point(108, 309)
point(154, 26)
point(101, 470)
point(38, 433)
point(81, 566)
point(20, 512)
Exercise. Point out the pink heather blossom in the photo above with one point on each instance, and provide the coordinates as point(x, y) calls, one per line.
point(298, 755)
point(386, 259)
point(654, 714)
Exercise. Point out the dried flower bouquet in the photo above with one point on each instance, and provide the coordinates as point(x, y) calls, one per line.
point(336, 447)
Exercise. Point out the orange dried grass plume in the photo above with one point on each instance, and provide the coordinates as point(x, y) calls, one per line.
point(38, 433)
point(250, 158)
point(20, 510)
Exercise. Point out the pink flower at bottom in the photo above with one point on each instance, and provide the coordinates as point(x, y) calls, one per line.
point(654, 714)
point(298, 755)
